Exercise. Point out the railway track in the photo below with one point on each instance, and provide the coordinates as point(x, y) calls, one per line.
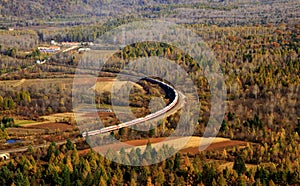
point(142, 119)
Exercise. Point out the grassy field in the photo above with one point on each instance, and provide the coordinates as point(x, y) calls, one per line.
point(25, 122)
point(102, 86)
point(53, 117)
point(28, 82)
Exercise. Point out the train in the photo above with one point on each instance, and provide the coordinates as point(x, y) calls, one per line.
point(138, 120)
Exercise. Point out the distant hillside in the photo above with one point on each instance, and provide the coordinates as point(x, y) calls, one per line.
point(32, 9)
point(75, 12)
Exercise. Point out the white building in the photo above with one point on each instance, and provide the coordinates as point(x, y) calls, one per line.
point(84, 49)
point(40, 62)
point(4, 156)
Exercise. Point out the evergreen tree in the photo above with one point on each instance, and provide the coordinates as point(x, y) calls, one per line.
point(5, 176)
point(69, 145)
point(239, 165)
point(177, 161)
point(51, 150)
point(20, 179)
point(298, 126)
point(208, 174)
point(147, 152)
point(66, 176)
point(223, 126)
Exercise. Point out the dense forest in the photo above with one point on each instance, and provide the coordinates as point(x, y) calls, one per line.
point(261, 66)
point(83, 12)
point(68, 166)
point(256, 43)
point(253, 59)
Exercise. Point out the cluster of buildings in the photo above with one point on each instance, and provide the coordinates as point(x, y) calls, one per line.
point(69, 44)
point(83, 49)
point(49, 49)
point(55, 47)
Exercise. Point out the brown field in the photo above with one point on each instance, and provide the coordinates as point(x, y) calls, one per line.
point(28, 82)
point(53, 126)
point(22, 131)
point(119, 146)
point(214, 146)
point(191, 147)
point(66, 81)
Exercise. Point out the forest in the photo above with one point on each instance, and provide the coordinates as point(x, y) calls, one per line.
point(261, 66)
point(258, 52)
point(66, 166)
point(29, 13)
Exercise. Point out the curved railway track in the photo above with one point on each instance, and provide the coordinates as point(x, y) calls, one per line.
point(139, 120)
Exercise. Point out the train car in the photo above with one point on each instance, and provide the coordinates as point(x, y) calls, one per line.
point(172, 93)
